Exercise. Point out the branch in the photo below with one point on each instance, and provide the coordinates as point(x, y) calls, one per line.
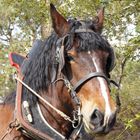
point(123, 64)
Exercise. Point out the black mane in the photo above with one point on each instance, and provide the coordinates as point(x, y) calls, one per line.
point(41, 65)
point(38, 68)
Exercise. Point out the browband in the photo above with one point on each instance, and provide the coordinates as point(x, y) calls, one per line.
point(84, 31)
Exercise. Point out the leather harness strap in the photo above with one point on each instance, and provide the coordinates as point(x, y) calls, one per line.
point(25, 127)
point(88, 77)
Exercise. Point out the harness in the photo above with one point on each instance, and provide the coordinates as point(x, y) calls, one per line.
point(76, 121)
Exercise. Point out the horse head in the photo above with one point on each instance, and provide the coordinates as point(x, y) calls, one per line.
point(71, 71)
point(88, 59)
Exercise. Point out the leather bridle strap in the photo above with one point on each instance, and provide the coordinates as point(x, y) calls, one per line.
point(83, 31)
point(88, 77)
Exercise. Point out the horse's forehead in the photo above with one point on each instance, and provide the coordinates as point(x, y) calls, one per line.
point(81, 23)
point(85, 23)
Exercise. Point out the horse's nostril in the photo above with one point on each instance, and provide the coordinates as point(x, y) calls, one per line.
point(97, 118)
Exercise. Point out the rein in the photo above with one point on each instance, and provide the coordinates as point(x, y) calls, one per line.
point(66, 117)
point(78, 126)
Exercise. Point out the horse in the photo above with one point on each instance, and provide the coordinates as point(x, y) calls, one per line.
point(63, 85)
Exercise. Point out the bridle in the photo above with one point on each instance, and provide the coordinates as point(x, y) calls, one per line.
point(77, 122)
point(72, 89)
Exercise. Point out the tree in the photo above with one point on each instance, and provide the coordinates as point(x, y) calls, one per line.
point(21, 22)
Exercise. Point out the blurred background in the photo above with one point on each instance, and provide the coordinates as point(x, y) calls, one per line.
point(22, 22)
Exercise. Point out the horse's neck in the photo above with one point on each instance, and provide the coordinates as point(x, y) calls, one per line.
point(53, 118)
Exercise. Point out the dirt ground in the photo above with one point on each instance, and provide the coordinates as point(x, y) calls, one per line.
point(120, 133)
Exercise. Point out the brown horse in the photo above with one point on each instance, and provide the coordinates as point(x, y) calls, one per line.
point(64, 83)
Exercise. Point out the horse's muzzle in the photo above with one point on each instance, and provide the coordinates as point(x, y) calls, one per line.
point(97, 122)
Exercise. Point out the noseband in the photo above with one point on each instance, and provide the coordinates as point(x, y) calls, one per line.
point(88, 77)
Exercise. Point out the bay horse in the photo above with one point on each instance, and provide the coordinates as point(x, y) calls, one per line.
point(63, 85)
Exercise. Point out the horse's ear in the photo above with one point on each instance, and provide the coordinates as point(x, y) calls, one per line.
point(99, 21)
point(59, 23)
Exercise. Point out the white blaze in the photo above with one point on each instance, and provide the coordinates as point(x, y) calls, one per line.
point(104, 92)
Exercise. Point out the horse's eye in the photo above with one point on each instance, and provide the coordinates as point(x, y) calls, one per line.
point(69, 57)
